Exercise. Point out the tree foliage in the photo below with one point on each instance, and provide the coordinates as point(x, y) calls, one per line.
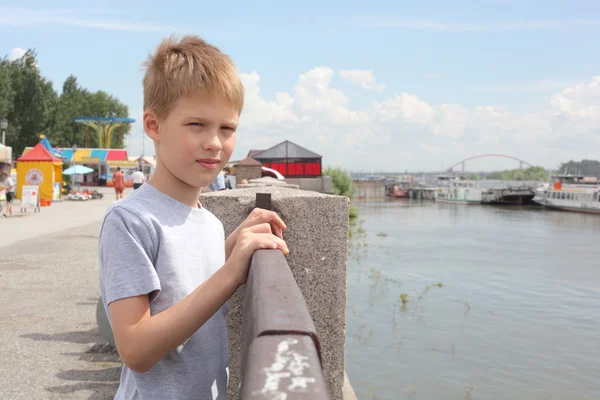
point(583, 167)
point(32, 107)
point(529, 174)
point(342, 182)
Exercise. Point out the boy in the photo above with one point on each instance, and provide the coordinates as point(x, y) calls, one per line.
point(166, 269)
point(9, 189)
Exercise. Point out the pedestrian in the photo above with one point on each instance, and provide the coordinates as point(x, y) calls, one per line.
point(8, 185)
point(166, 269)
point(119, 183)
point(218, 183)
point(138, 178)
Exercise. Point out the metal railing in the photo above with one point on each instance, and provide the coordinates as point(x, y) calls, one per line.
point(280, 348)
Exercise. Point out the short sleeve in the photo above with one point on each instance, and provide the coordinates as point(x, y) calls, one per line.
point(125, 251)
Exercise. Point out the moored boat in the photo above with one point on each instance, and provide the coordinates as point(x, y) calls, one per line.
point(458, 191)
point(571, 193)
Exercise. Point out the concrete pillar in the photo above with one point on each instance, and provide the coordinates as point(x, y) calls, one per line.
point(317, 236)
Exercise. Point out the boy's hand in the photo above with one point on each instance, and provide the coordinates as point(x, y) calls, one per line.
point(257, 216)
point(249, 240)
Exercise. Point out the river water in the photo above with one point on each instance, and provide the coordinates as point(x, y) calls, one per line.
point(514, 312)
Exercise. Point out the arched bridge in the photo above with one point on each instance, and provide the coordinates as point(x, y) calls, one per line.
point(462, 162)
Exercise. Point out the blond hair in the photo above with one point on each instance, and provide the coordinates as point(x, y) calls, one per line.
point(178, 68)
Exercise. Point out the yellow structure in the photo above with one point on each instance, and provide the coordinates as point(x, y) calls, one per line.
point(104, 127)
point(39, 168)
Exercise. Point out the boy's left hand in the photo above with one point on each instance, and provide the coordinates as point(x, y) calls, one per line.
point(257, 216)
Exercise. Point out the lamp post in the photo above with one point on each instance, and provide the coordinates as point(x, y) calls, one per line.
point(3, 126)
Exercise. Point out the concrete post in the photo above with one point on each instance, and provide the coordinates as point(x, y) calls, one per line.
point(317, 236)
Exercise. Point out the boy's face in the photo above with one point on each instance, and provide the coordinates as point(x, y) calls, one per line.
point(196, 139)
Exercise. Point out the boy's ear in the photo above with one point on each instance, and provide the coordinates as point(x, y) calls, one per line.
point(151, 125)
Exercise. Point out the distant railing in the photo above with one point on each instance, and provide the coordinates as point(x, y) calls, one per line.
point(280, 348)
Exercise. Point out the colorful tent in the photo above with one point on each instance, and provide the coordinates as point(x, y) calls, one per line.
point(53, 150)
point(40, 168)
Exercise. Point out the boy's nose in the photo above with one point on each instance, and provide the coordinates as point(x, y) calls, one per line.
point(213, 143)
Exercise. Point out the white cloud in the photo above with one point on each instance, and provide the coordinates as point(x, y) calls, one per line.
point(580, 102)
point(382, 135)
point(451, 120)
point(38, 18)
point(430, 148)
point(362, 79)
point(16, 53)
point(424, 24)
point(405, 108)
point(259, 112)
point(523, 87)
point(406, 132)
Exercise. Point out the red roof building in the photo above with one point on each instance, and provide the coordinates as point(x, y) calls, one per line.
point(291, 160)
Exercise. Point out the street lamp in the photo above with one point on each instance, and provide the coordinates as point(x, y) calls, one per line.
point(3, 126)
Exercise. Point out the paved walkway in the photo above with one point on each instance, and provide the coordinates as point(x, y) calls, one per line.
point(60, 216)
point(49, 343)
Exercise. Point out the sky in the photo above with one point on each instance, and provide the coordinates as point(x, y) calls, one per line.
point(370, 85)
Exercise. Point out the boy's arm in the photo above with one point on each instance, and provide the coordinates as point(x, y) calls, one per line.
point(128, 278)
point(143, 340)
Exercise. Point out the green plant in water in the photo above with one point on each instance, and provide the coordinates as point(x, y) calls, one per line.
point(467, 305)
point(372, 393)
point(428, 288)
point(469, 392)
point(363, 334)
point(353, 214)
point(404, 298)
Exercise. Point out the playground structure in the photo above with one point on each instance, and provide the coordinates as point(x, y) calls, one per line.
point(104, 127)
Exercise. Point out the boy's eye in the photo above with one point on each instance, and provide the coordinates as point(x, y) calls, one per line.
point(198, 124)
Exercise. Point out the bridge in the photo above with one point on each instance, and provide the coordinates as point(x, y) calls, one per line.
point(462, 162)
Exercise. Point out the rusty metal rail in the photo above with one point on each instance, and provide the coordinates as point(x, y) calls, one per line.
point(280, 348)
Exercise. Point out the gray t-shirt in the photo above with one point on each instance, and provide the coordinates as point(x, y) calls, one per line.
point(153, 244)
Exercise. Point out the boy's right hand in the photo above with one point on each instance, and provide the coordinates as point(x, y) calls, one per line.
point(249, 240)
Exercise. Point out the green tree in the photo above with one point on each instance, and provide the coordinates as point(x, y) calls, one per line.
point(583, 167)
point(342, 186)
point(31, 103)
point(529, 174)
point(342, 182)
point(32, 107)
point(74, 102)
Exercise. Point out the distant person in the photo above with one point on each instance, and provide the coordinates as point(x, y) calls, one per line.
point(9, 189)
point(166, 269)
point(138, 178)
point(119, 183)
point(218, 183)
